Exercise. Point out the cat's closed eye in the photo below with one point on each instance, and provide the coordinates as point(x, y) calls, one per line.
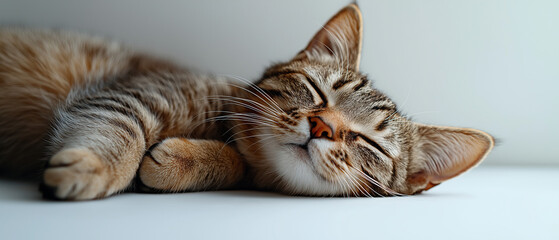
point(373, 144)
point(322, 97)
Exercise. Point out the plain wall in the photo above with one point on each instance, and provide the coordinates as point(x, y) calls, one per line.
point(492, 65)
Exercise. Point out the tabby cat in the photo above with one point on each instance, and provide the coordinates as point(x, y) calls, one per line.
point(93, 119)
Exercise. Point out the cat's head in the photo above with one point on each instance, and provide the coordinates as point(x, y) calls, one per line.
point(316, 126)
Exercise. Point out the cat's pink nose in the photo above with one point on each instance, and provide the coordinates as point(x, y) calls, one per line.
point(319, 129)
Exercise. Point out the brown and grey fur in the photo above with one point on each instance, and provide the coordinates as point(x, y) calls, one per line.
point(91, 115)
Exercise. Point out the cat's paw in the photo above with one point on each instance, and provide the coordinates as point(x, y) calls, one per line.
point(165, 166)
point(75, 174)
point(179, 164)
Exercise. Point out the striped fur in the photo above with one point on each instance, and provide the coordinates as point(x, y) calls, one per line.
point(89, 116)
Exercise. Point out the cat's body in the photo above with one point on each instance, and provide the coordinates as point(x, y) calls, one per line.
point(45, 71)
point(100, 115)
point(53, 83)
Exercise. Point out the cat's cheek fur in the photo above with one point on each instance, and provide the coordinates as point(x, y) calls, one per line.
point(298, 133)
point(318, 149)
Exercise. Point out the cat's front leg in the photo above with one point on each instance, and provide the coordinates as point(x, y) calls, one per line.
point(179, 164)
point(98, 144)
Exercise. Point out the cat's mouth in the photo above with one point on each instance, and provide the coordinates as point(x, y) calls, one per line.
point(301, 150)
point(303, 146)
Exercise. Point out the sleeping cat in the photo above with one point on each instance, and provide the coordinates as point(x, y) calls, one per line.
point(94, 119)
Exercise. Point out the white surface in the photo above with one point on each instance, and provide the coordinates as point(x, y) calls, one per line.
point(486, 203)
point(475, 63)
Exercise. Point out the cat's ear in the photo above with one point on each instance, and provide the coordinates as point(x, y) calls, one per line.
point(340, 39)
point(441, 153)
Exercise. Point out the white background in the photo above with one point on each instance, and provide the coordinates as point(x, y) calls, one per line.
point(492, 65)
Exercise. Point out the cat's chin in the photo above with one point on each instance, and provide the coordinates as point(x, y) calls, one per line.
point(296, 166)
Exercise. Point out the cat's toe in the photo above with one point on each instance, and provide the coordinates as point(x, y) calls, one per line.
point(149, 173)
point(75, 174)
point(157, 154)
point(161, 168)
